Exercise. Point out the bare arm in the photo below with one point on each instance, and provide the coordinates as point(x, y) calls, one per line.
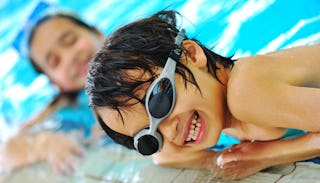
point(250, 157)
point(177, 157)
point(19, 151)
point(247, 158)
point(196, 160)
point(57, 149)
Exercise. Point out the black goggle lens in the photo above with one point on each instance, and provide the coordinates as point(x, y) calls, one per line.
point(148, 145)
point(160, 101)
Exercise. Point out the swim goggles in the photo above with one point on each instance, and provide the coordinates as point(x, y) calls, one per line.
point(160, 100)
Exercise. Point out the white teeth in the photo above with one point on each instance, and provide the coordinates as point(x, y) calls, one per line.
point(194, 129)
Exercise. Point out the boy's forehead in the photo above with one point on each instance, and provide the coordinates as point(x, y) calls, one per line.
point(134, 118)
point(111, 118)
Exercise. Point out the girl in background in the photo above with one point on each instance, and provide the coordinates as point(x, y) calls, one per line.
point(60, 45)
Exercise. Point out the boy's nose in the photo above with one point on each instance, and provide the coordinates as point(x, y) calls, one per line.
point(169, 129)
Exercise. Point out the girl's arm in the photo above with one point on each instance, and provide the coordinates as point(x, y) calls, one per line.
point(57, 149)
point(18, 152)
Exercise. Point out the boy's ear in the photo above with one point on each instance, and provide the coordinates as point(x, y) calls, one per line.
point(195, 53)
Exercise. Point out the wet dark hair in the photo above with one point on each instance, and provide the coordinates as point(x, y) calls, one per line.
point(143, 45)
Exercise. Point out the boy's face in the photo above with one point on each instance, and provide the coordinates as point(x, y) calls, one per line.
point(180, 128)
point(63, 49)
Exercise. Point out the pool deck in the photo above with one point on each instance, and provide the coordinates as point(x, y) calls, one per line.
point(115, 164)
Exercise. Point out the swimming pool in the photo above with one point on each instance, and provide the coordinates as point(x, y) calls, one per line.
point(236, 27)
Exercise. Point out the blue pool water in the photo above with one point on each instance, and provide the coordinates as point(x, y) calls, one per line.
point(237, 27)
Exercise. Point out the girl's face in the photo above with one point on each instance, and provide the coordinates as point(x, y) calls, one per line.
point(63, 49)
point(194, 111)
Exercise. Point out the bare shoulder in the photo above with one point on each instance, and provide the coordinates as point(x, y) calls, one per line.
point(308, 49)
point(276, 87)
point(299, 51)
point(248, 73)
point(244, 81)
point(254, 81)
point(268, 70)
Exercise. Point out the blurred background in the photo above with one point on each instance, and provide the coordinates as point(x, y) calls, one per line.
point(231, 27)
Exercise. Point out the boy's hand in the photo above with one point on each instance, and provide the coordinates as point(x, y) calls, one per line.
point(244, 159)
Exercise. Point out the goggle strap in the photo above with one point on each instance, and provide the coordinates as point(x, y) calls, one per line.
point(180, 37)
point(175, 53)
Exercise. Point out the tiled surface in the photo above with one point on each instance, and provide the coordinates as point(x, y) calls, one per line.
point(114, 164)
